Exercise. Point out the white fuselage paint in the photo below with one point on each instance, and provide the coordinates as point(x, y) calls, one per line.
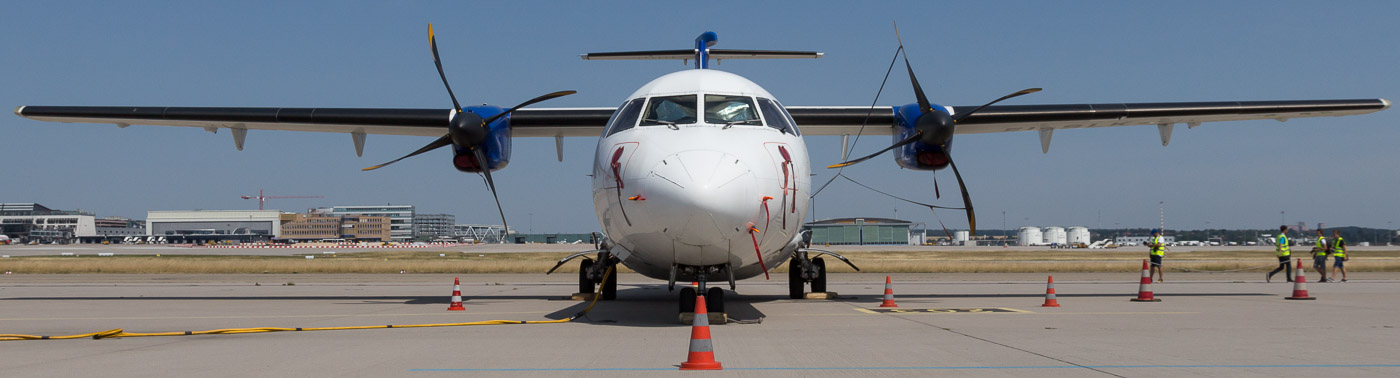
point(699, 188)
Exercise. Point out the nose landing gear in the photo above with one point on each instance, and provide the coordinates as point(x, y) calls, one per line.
point(714, 296)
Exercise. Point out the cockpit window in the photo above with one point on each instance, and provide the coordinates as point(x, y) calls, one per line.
point(625, 117)
point(670, 110)
point(730, 110)
point(777, 117)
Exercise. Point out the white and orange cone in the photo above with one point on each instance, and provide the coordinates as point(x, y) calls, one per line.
point(456, 296)
point(1145, 288)
point(702, 351)
point(1050, 294)
point(889, 294)
point(1300, 285)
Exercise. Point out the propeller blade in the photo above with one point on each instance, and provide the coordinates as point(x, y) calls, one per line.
point(936, 194)
point(445, 140)
point(1018, 93)
point(432, 40)
point(924, 105)
point(901, 143)
point(485, 170)
point(967, 199)
point(526, 103)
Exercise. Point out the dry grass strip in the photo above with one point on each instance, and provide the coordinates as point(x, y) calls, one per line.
point(873, 262)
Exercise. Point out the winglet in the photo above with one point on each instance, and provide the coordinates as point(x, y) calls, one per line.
point(19, 111)
point(1385, 104)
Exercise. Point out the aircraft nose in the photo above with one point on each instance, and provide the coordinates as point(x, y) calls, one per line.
point(702, 198)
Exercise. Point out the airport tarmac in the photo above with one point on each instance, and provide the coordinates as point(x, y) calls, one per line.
point(957, 324)
point(125, 249)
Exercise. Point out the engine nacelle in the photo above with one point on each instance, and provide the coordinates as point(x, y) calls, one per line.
point(496, 146)
point(920, 155)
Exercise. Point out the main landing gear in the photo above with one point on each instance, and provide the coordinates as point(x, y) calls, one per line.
point(802, 270)
point(805, 269)
point(591, 272)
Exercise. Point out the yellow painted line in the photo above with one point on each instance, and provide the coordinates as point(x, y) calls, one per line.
point(277, 316)
point(1116, 313)
point(983, 310)
point(1008, 311)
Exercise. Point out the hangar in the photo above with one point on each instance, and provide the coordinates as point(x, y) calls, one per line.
point(214, 225)
point(865, 231)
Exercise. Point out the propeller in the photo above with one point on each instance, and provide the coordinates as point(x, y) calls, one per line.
point(468, 129)
point(935, 128)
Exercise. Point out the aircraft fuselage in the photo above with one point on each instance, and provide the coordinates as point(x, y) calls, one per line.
point(700, 192)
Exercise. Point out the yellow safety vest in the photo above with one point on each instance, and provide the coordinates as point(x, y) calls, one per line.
point(1321, 250)
point(1157, 248)
point(1283, 249)
point(1339, 248)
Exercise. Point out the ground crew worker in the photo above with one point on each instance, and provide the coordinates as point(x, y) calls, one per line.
point(1156, 250)
point(1320, 252)
point(1339, 253)
point(1284, 255)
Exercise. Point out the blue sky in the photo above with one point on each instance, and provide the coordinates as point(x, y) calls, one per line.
point(1341, 171)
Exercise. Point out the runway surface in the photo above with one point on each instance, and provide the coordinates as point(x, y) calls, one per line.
point(954, 324)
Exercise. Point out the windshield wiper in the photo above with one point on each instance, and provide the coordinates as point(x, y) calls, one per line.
point(732, 123)
point(669, 124)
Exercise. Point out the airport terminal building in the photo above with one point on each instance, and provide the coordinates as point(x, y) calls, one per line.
point(34, 222)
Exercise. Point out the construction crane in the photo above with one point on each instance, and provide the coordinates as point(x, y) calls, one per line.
point(263, 199)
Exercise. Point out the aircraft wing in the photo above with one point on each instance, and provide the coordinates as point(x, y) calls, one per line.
point(837, 120)
point(814, 120)
point(534, 122)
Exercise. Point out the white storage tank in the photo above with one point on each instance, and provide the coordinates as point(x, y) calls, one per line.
point(1054, 235)
point(1029, 236)
point(960, 237)
point(1079, 234)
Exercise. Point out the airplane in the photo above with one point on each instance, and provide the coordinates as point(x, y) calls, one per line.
point(701, 175)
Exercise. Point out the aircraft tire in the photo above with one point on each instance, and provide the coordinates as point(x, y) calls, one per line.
point(795, 283)
point(687, 300)
point(819, 284)
point(585, 285)
point(610, 286)
point(714, 300)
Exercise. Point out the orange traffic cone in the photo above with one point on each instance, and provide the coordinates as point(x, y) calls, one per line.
point(456, 296)
point(1145, 288)
point(1300, 287)
point(702, 352)
point(1050, 294)
point(889, 294)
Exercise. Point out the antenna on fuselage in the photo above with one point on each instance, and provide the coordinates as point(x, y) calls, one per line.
point(702, 53)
